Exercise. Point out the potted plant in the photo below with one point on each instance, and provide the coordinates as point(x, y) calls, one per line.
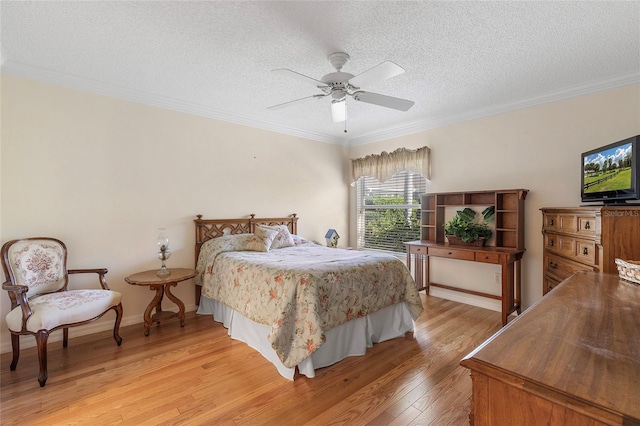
point(464, 229)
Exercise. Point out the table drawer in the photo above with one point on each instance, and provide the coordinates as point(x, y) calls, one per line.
point(452, 253)
point(488, 257)
point(417, 249)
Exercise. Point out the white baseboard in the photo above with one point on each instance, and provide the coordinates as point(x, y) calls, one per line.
point(481, 302)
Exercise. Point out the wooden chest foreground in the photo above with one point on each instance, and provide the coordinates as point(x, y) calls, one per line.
point(571, 359)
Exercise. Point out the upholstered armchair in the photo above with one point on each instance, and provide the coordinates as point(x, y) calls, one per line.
point(36, 277)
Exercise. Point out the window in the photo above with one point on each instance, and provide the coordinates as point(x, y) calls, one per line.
point(389, 212)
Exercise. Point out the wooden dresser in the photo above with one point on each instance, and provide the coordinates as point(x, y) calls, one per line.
point(573, 358)
point(587, 239)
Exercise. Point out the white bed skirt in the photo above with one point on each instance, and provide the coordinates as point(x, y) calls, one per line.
point(349, 339)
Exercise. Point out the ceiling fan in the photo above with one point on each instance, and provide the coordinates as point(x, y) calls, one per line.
point(340, 84)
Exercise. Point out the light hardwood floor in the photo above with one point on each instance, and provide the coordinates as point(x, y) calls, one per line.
point(197, 375)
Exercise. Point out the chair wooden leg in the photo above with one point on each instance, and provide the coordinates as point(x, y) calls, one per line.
point(65, 337)
point(41, 340)
point(116, 327)
point(15, 345)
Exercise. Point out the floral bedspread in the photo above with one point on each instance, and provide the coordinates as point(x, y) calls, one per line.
point(302, 291)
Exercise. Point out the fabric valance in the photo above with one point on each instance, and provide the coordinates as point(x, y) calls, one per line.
point(384, 166)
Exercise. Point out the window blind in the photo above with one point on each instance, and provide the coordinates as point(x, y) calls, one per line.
point(389, 212)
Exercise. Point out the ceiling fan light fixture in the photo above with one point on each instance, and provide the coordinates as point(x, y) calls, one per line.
point(340, 84)
point(338, 111)
point(338, 95)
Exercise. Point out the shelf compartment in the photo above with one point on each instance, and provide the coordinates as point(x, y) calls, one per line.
point(428, 233)
point(480, 198)
point(507, 200)
point(506, 238)
point(428, 202)
point(427, 217)
point(450, 199)
point(507, 219)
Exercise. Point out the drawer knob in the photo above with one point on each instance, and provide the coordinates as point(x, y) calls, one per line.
point(585, 251)
point(553, 265)
point(587, 225)
point(551, 243)
point(450, 253)
point(551, 222)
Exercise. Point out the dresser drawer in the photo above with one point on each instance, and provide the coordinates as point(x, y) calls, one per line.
point(549, 222)
point(567, 223)
point(560, 244)
point(586, 251)
point(587, 225)
point(452, 253)
point(562, 268)
point(549, 283)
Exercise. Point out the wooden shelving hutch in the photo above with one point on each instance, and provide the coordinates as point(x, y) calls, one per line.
point(507, 245)
point(509, 219)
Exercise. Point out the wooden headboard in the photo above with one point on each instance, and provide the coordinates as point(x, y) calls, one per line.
point(207, 229)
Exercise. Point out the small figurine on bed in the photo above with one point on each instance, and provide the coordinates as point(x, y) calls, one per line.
point(332, 238)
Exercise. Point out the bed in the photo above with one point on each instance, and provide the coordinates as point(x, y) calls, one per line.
point(303, 306)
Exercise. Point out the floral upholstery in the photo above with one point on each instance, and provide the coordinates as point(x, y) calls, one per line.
point(38, 264)
point(67, 307)
point(36, 280)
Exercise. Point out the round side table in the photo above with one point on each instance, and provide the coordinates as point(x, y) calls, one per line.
point(161, 285)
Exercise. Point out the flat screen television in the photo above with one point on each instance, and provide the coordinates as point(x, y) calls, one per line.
point(611, 173)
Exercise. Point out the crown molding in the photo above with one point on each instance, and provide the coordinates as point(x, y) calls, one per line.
point(79, 83)
point(559, 95)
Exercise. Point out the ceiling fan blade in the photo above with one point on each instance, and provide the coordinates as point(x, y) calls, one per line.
point(286, 104)
point(300, 77)
point(383, 100)
point(378, 73)
point(338, 111)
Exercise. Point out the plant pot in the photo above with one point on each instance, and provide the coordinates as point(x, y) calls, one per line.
point(456, 241)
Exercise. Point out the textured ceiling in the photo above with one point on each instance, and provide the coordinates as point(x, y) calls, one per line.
point(462, 59)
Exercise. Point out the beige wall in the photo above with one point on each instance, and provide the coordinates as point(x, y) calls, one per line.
point(537, 149)
point(104, 174)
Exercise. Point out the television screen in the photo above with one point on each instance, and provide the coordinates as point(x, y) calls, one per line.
point(609, 169)
point(611, 173)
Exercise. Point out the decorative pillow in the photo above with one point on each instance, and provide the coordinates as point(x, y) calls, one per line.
point(261, 240)
point(283, 239)
point(298, 240)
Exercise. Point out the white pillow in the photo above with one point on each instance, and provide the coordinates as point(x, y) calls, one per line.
point(283, 238)
point(262, 240)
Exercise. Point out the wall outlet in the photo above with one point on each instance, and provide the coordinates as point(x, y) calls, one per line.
point(497, 278)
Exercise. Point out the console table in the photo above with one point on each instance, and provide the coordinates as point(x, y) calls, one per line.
point(573, 358)
point(507, 258)
point(507, 242)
